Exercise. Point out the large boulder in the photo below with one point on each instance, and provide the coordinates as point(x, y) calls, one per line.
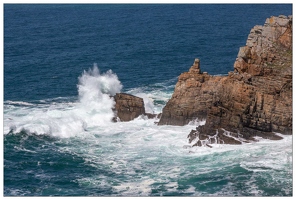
point(128, 107)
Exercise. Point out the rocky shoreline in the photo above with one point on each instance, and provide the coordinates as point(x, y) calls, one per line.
point(254, 100)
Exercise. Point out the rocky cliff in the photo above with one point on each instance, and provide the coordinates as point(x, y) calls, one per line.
point(253, 100)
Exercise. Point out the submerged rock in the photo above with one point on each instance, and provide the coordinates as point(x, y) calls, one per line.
point(254, 100)
point(223, 136)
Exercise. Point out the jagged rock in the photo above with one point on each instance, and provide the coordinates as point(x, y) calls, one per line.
point(262, 47)
point(195, 68)
point(128, 107)
point(187, 103)
point(254, 100)
point(220, 137)
point(192, 135)
point(152, 116)
point(225, 137)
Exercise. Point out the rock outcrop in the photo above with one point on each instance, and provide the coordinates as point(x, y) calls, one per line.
point(128, 107)
point(192, 97)
point(253, 100)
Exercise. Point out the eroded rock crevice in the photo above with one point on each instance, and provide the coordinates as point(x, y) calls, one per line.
point(253, 100)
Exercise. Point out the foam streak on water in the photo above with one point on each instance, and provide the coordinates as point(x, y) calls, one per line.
point(139, 158)
point(73, 148)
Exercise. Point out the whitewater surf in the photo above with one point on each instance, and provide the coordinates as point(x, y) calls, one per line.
point(78, 140)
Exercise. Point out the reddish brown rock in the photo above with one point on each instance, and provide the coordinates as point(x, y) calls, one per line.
point(128, 107)
point(191, 99)
point(152, 116)
point(261, 54)
point(254, 100)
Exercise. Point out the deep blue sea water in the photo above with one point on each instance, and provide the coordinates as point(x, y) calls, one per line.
point(58, 136)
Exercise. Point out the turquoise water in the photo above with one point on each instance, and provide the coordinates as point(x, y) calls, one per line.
point(58, 136)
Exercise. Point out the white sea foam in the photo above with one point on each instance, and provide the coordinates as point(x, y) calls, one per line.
point(148, 102)
point(140, 188)
point(197, 122)
point(94, 108)
point(154, 100)
point(139, 155)
point(19, 103)
point(144, 157)
point(92, 85)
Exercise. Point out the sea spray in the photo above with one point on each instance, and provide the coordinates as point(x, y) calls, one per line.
point(148, 102)
point(92, 85)
point(137, 158)
point(95, 91)
point(66, 119)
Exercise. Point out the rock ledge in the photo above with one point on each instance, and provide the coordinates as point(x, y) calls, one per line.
point(255, 100)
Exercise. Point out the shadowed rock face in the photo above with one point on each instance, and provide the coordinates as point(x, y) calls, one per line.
point(254, 100)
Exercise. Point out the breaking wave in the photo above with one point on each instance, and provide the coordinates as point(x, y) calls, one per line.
point(135, 158)
point(66, 119)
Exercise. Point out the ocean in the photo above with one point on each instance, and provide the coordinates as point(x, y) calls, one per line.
point(63, 61)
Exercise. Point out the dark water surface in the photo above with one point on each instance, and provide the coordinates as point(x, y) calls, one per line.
point(58, 138)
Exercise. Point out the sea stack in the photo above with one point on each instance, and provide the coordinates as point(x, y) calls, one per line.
point(253, 100)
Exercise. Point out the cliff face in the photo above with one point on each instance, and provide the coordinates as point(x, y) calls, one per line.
point(253, 100)
point(192, 98)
